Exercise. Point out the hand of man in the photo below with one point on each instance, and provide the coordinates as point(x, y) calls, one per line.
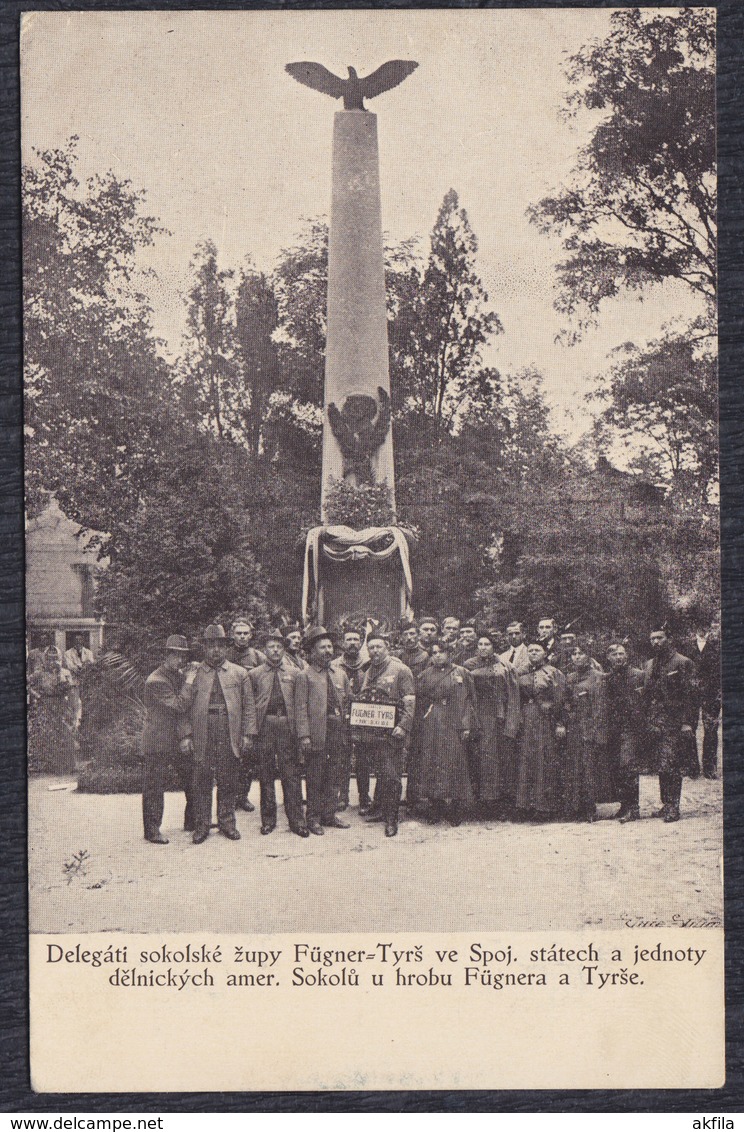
point(560, 731)
point(247, 745)
point(186, 746)
point(191, 671)
point(397, 733)
point(686, 728)
point(465, 735)
point(305, 746)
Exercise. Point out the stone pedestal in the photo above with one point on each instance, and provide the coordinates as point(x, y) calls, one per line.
point(356, 341)
point(352, 575)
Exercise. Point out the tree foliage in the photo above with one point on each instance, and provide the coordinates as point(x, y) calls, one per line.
point(665, 396)
point(204, 473)
point(97, 409)
point(444, 322)
point(640, 204)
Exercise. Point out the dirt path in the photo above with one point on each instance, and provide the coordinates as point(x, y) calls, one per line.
point(486, 876)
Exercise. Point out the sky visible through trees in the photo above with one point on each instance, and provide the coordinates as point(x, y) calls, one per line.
point(170, 445)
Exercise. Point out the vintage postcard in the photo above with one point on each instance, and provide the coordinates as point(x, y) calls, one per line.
point(372, 550)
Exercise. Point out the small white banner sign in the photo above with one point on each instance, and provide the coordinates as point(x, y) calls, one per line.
point(372, 715)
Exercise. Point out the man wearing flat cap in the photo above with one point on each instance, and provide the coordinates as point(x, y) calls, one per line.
point(276, 745)
point(223, 726)
point(166, 726)
point(322, 696)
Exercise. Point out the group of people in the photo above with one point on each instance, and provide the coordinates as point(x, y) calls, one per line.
point(54, 701)
point(538, 730)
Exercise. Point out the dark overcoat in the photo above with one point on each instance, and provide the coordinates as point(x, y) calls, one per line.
point(167, 705)
point(498, 711)
point(671, 702)
point(586, 775)
point(445, 703)
point(538, 754)
point(625, 747)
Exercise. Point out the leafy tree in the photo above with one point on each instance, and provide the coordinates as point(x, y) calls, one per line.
point(666, 397)
point(212, 390)
point(186, 553)
point(97, 405)
point(256, 321)
point(640, 204)
point(448, 323)
point(301, 284)
point(600, 548)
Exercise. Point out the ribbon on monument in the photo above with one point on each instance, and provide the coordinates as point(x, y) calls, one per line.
point(342, 544)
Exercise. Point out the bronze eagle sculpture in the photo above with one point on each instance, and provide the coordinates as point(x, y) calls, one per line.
point(353, 90)
point(360, 427)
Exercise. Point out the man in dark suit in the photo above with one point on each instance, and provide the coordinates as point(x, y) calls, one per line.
point(276, 745)
point(671, 709)
point(466, 646)
point(704, 651)
point(321, 705)
point(623, 689)
point(223, 727)
point(547, 634)
point(166, 726)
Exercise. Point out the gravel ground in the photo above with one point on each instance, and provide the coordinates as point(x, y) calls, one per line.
point(488, 876)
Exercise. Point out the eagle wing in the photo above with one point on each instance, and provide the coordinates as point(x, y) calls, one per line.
point(382, 424)
point(318, 77)
point(340, 429)
point(386, 77)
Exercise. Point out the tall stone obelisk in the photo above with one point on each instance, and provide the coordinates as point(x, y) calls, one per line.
point(357, 340)
point(351, 574)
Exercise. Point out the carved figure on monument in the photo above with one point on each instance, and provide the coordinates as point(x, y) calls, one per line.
point(353, 90)
point(360, 427)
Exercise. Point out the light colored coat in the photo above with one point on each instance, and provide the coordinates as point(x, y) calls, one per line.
point(241, 709)
point(311, 702)
point(262, 679)
point(520, 660)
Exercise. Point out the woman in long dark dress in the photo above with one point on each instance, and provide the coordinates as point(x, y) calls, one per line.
point(586, 779)
point(445, 708)
point(541, 691)
point(497, 705)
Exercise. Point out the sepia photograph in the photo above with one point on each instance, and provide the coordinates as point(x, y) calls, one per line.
point(371, 456)
point(371, 480)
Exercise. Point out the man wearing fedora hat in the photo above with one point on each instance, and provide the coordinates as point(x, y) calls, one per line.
point(273, 691)
point(322, 696)
point(223, 725)
point(164, 738)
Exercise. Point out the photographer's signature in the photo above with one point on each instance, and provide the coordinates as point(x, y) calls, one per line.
point(676, 921)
